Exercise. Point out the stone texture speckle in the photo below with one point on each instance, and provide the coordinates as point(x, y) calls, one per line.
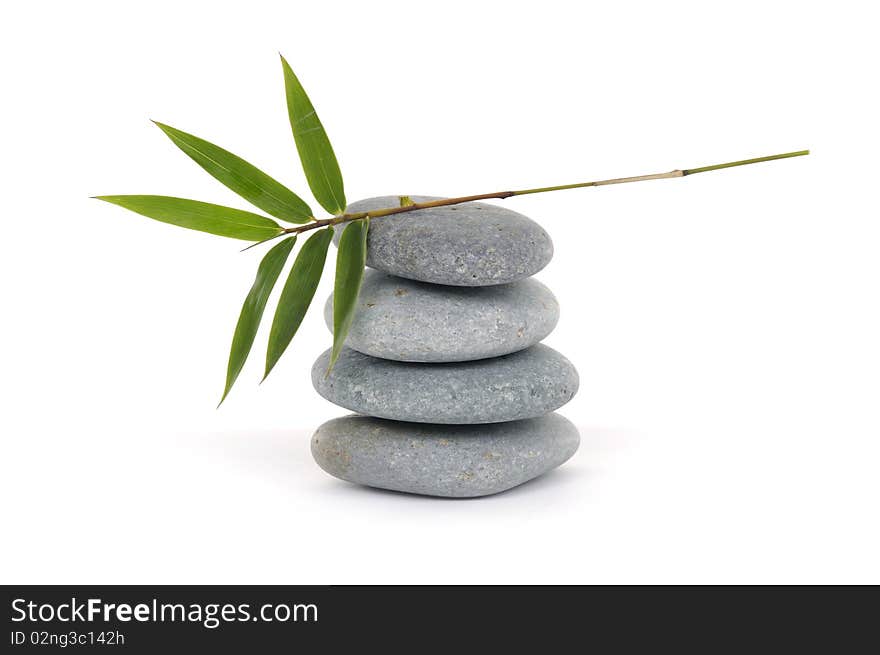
point(525, 384)
point(411, 321)
point(457, 461)
point(473, 244)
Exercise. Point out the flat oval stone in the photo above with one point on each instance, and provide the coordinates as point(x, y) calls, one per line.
point(470, 245)
point(525, 384)
point(411, 321)
point(456, 461)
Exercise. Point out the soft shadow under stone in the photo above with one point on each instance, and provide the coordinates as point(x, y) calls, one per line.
point(473, 244)
point(525, 384)
point(458, 461)
point(411, 321)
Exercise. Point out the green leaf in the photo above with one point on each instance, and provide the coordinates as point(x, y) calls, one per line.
point(252, 310)
point(203, 216)
point(246, 180)
point(297, 295)
point(350, 262)
point(315, 151)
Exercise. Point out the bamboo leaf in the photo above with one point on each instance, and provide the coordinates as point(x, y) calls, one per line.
point(297, 295)
point(315, 152)
point(350, 262)
point(253, 308)
point(246, 180)
point(202, 216)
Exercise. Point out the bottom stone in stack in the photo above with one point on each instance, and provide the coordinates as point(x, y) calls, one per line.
point(458, 461)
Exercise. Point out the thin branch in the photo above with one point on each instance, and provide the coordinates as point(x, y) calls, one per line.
point(273, 237)
point(743, 162)
point(501, 195)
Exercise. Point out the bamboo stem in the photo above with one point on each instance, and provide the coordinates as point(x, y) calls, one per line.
point(743, 162)
point(501, 195)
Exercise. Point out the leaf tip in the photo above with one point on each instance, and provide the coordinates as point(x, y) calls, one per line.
point(169, 131)
point(230, 382)
point(270, 364)
point(334, 355)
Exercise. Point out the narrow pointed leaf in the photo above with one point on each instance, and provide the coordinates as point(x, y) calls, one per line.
point(202, 216)
point(246, 180)
point(350, 262)
point(315, 152)
point(252, 310)
point(297, 294)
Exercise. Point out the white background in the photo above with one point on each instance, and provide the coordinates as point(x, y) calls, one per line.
point(725, 326)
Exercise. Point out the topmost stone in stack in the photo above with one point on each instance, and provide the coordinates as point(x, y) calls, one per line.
point(472, 245)
point(461, 362)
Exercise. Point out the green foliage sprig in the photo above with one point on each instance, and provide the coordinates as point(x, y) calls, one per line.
point(325, 181)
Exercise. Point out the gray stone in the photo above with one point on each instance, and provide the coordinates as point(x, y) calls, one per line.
point(525, 384)
point(469, 245)
point(413, 321)
point(456, 461)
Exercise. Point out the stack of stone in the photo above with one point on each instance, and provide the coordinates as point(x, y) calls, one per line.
point(453, 393)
